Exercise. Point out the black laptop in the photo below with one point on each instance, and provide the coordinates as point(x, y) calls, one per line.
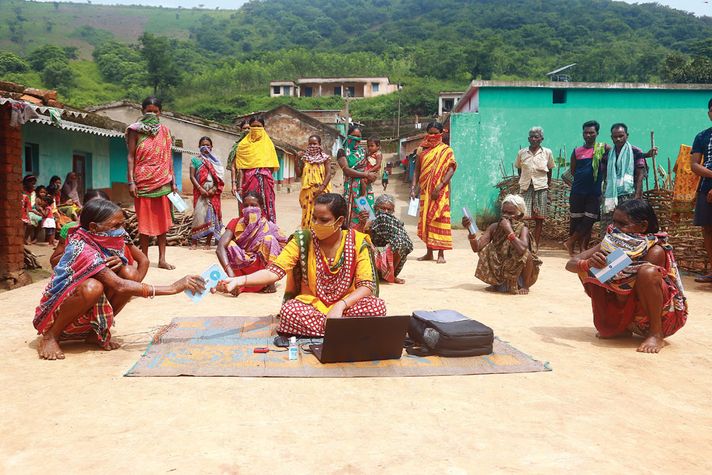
point(362, 339)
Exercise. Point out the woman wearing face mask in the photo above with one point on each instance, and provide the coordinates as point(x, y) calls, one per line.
point(330, 273)
point(434, 168)
point(315, 169)
point(250, 243)
point(151, 178)
point(353, 161)
point(645, 298)
point(88, 287)
point(255, 161)
point(507, 261)
point(207, 175)
point(390, 238)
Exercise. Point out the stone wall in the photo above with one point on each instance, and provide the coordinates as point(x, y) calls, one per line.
point(11, 228)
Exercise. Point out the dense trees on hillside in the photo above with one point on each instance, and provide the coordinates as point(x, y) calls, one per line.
point(224, 64)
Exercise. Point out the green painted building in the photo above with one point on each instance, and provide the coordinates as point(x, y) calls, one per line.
point(492, 119)
point(97, 154)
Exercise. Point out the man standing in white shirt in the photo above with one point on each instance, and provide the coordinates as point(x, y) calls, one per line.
point(535, 164)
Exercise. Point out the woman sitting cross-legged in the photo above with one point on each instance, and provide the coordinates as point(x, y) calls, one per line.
point(250, 243)
point(88, 287)
point(506, 259)
point(330, 273)
point(390, 238)
point(646, 297)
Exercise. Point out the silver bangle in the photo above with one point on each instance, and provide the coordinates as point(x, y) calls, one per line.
point(153, 294)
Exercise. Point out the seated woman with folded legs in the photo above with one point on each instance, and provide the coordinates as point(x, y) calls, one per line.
point(506, 259)
point(250, 242)
point(87, 289)
point(645, 298)
point(330, 273)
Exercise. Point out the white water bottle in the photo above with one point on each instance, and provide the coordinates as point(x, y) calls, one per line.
point(293, 349)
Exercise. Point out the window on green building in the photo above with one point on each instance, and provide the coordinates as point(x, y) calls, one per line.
point(32, 159)
point(558, 96)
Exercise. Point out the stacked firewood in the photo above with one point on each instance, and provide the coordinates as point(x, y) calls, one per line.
point(178, 235)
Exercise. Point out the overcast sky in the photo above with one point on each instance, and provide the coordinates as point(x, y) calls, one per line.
point(699, 7)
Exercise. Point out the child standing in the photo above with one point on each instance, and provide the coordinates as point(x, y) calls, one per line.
point(384, 178)
point(48, 223)
point(373, 160)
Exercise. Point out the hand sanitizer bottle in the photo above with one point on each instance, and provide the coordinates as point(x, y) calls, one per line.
point(293, 349)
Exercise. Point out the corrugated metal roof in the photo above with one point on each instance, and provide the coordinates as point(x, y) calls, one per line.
point(45, 109)
point(75, 127)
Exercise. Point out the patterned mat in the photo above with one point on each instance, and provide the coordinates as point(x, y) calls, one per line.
point(223, 346)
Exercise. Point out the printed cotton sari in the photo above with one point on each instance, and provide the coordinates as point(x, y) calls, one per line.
point(84, 256)
point(434, 220)
point(613, 316)
point(356, 160)
point(314, 284)
point(207, 211)
point(256, 157)
point(313, 176)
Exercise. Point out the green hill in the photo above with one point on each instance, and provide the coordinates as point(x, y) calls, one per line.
point(219, 63)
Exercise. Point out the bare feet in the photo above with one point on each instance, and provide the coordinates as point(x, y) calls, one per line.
point(523, 291)
point(569, 245)
point(427, 257)
point(49, 348)
point(652, 344)
point(107, 345)
point(441, 259)
point(165, 265)
point(207, 247)
point(193, 245)
point(398, 280)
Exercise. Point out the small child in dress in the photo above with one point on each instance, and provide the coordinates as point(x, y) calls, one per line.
point(37, 214)
point(48, 223)
point(374, 158)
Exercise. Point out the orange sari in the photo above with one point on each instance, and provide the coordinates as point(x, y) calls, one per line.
point(434, 221)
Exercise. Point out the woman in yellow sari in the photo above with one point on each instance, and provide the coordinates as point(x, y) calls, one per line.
point(330, 273)
point(434, 168)
point(315, 169)
point(255, 160)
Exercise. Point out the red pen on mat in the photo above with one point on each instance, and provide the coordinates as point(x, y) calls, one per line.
point(261, 349)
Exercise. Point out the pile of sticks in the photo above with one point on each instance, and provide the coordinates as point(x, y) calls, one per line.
point(31, 260)
point(178, 235)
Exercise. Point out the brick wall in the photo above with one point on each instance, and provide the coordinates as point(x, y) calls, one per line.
point(11, 227)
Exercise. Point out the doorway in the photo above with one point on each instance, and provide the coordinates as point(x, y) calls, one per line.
point(81, 165)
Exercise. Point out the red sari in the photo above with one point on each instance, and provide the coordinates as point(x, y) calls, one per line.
point(84, 257)
point(153, 175)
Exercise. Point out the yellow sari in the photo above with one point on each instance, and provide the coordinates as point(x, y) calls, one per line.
point(434, 221)
point(313, 176)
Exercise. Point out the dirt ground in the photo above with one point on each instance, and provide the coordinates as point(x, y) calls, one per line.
point(603, 409)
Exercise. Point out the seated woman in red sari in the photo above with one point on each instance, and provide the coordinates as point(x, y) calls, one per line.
point(207, 175)
point(250, 243)
point(151, 178)
point(90, 285)
point(646, 297)
point(330, 273)
point(255, 160)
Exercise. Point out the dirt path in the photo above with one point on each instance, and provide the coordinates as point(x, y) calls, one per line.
point(603, 409)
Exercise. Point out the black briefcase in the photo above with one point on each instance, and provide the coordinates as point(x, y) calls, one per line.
point(447, 333)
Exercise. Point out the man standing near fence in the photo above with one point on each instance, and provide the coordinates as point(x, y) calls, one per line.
point(535, 164)
point(701, 164)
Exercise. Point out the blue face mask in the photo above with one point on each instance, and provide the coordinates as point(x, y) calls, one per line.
point(119, 232)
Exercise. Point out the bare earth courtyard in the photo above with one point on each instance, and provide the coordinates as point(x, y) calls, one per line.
point(603, 409)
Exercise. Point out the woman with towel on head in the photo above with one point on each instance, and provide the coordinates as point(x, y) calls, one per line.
point(389, 237)
point(255, 161)
point(507, 261)
point(645, 298)
point(315, 169)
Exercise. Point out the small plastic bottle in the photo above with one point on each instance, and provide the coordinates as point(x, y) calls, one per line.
point(293, 349)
